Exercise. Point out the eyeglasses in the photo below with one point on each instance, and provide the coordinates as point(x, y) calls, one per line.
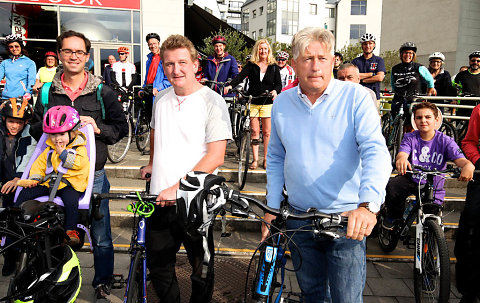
point(13, 46)
point(475, 61)
point(69, 52)
point(436, 61)
point(121, 54)
point(281, 59)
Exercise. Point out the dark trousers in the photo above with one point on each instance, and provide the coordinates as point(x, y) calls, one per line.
point(165, 233)
point(398, 190)
point(467, 244)
point(69, 197)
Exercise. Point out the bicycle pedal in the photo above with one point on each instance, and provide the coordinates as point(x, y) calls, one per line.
point(118, 281)
point(225, 235)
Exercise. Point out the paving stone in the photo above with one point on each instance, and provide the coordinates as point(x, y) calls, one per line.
point(388, 287)
point(394, 270)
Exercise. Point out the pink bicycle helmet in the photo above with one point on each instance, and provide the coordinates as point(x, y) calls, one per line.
point(60, 119)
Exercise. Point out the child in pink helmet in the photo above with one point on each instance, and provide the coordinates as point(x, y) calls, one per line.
point(66, 152)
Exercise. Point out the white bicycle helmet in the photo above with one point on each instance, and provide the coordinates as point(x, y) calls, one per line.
point(367, 37)
point(437, 55)
point(282, 55)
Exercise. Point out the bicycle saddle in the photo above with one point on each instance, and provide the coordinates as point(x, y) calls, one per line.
point(32, 208)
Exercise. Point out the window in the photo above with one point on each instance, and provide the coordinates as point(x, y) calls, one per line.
point(260, 33)
point(271, 17)
point(331, 12)
point(235, 5)
point(359, 7)
point(260, 11)
point(357, 30)
point(313, 9)
point(245, 21)
point(30, 21)
point(254, 35)
point(103, 24)
point(238, 27)
point(254, 13)
point(290, 17)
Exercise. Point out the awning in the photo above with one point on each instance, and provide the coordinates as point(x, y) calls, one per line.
point(200, 24)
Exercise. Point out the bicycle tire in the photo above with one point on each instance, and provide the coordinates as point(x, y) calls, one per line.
point(117, 152)
point(243, 158)
point(387, 239)
point(142, 131)
point(386, 126)
point(433, 284)
point(135, 282)
point(448, 129)
point(399, 134)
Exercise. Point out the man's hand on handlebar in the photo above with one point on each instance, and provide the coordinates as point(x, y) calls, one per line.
point(360, 223)
point(268, 218)
point(146, 172)
point(168, 196)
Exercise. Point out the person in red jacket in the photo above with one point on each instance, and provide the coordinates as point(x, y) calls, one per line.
point(467, 244)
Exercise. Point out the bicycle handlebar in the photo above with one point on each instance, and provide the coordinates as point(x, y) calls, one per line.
point(243, 94)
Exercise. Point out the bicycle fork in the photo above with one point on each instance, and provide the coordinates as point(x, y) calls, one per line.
point(140, 241)
point(420, 246)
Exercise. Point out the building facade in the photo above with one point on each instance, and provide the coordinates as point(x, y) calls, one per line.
point(450, 27)
point(109, 24)
point(279, 20)
point(355, 18)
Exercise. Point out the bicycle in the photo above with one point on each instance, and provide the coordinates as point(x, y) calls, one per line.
point(117, 152)
point(37, 232)
point(242, 133)
point(432, 261)
point(392, 130)
point(136, 282)
point(143, 116)
point(138, 125)
point(217, 198)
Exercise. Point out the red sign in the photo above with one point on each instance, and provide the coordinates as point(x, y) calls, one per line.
point(124, 4)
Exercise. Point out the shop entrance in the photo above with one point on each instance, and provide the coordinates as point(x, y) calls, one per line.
point(99, 56)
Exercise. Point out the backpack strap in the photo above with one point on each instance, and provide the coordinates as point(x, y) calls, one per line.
point(100, 99)
point(45, 93)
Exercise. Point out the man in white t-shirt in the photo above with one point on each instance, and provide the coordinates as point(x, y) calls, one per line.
point(190, 130)
point(124, 72)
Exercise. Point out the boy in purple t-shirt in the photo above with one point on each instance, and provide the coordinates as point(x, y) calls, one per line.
point(428, 148)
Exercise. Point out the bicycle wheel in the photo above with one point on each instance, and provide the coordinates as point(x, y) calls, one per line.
point(243, 158)
point(448, 129)
point(386, 126)
point(142, 131)
point(433, 284)
point(118, 151)
point(136, 284)
point(387, 239)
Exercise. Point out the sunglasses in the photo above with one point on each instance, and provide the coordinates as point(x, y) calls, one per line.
point(475, 61)
point(13, 46)
point(282, 60)
point(122, 54)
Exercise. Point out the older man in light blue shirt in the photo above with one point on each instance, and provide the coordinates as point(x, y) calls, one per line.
point(326, 147)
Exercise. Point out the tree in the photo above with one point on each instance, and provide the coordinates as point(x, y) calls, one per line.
point(351, 52)
point(235, 43)
point(390, 58)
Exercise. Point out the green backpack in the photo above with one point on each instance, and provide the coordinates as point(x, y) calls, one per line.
point(46, 92)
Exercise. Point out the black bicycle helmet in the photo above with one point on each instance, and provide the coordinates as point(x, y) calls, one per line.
point(475, 54)
point(192, 205)
point(152, 35)
point(14, 108)
point(60, 285)
point(14, 38)
point(408, 46)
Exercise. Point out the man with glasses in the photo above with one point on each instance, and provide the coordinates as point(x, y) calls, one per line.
point(287, 74)
point(78, 88)
point(371, 67)
point(124, 72)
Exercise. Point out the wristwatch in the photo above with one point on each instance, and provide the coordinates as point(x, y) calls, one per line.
point(372, 207)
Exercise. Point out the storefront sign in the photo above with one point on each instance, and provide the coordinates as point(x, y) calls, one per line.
point(125, 4)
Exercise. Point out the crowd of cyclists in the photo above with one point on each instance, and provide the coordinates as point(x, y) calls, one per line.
point(73, 94)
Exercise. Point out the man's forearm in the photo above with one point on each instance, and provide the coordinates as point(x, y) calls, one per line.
point(214, 157)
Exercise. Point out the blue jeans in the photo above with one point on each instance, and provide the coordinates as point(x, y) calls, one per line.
point(329, 270)
point(102, 235)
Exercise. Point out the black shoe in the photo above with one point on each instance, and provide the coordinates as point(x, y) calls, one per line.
point(8, 268)
point(101, 294)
